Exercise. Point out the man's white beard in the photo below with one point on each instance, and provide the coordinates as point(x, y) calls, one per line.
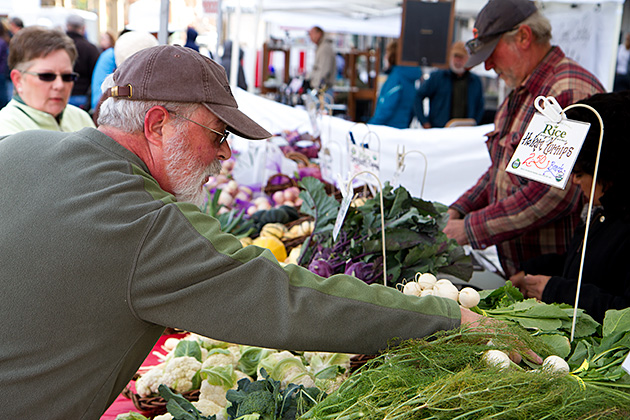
point(185, 172)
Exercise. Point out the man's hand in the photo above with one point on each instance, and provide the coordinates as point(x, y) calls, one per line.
point(517, 279)
point(455, 230)
point(533, 285)
point(481, 323)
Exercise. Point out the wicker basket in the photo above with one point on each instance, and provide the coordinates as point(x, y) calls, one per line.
point(279, 182)
point(155, 405)
point(357, 361)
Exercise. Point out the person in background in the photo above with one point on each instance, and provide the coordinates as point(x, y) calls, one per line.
point(15, 24)
point(191, 38)
point(106, 64)
point(84, 65)
point(128, 43)
point(606, 278)
point(4, 63)
point(106, 41)
point(41, 62)
point(324, 71)
point(226, 62)
point(622, 77)
point(453, 93)
point(395, 100)
point(523, 218)
point(104, 242)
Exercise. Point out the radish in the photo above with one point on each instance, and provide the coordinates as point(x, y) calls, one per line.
point(469, 297)
point(444, 288)
point(426, 280)
point(412, 288)
point(225, 198)
point(278, 197)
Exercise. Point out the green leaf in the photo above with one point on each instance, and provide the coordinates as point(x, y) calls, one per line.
point(179, 407)
point(188, 348)
point(503, 296)
point(222, 375)
point(316, 203)
point(560, 344)
point(616, 321)
point(397, 239)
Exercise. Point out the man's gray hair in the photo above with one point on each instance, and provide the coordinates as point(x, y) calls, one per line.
point(540, 26)
point(128, 115)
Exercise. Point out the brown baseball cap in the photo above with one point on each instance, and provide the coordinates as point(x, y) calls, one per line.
point(178, 74)
point(496, 18)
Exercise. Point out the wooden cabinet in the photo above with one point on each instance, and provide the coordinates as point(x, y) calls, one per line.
point(268, 84)
point(363, 94)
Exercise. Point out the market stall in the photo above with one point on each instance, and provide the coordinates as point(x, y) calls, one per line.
point(455, 157)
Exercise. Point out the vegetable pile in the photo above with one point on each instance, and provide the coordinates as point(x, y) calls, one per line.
point(446, 377)
point(215, 368)
point(413, 234)
point(466, 373)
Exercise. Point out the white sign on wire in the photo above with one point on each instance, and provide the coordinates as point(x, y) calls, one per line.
point(548, 149)
point(363, 159)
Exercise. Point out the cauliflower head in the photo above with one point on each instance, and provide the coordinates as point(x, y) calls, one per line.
point(178, 373)
point(148, 383)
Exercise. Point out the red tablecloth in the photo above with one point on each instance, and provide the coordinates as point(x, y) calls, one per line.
point(124, 405)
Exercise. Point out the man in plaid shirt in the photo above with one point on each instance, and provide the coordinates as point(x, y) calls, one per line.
point(522, 218)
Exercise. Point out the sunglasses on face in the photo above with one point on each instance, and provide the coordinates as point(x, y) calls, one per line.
point(51, 77)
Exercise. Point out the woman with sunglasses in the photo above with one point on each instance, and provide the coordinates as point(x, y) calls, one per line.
point(41, 62)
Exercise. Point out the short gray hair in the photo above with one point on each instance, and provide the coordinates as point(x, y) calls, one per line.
point(540, 26)
point(128, 115)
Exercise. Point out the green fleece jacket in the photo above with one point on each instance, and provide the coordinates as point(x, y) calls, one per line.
point(17, 116)
point(97, 259)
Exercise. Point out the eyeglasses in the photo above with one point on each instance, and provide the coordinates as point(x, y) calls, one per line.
point(223, 135)
point(51, 77)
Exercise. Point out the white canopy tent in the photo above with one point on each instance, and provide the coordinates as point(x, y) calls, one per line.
point(587, 30)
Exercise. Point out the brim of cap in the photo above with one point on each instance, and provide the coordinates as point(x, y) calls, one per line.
point(238, 123)
point(483, 53)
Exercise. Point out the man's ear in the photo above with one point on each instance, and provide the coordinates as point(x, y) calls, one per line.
point(524, 37)
point(154, 122)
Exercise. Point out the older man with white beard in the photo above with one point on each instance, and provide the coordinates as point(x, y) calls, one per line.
point(100, 252)
point(453, 93)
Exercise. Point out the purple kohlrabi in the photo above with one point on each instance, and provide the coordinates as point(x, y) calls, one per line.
point(361, 270)
point(321, 268)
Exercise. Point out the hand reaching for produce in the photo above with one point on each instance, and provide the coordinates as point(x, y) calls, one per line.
point(481, 323)
point(531, 286)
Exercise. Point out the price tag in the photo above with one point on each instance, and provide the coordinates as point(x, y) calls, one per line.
point(363, 159)
point(343, 210)
point(548, 150)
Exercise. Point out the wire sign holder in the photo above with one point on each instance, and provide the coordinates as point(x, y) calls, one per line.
point(547, 154)
point(400, 166)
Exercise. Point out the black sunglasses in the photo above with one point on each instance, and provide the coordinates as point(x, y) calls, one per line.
point(51, 77)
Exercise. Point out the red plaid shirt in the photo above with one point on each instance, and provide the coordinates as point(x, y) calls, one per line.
point(525, 218)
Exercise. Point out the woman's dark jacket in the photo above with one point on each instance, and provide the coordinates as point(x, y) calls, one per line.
point(606, 276)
